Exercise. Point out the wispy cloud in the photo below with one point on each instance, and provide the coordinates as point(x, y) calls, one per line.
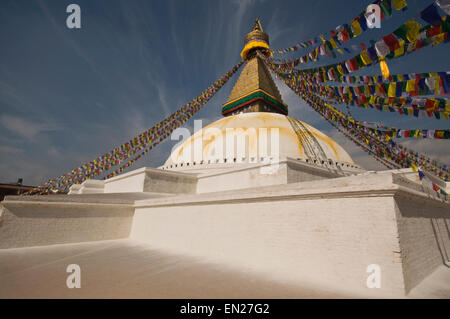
point(297, 107)
point(356, 153)
point(27, 129)
point(275, 27)
point(435, 149)
point(10, 96)
point(10, 150)
point(59, 28)
point(162, 98)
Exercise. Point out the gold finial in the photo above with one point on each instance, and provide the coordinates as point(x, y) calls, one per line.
point(257, 25)
point(255, 39)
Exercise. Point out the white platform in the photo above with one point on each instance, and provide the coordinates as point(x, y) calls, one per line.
point(307, 226)
point(129, 269)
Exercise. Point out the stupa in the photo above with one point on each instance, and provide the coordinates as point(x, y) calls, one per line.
point(256, 116)
point(271, 202)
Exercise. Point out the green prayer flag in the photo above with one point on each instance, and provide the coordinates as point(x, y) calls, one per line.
point(401, 32)
point(386, 7)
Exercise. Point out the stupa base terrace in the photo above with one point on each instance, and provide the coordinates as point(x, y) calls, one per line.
point(301, 231)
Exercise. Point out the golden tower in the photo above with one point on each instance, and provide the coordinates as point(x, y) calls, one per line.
point(255, 90)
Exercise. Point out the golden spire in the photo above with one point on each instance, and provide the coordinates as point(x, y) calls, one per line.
point(255, 90)
point(255, 39)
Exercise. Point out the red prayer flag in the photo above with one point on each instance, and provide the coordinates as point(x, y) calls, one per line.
point(353, 64)
point(391, 41)
point(345, 35)
point(429, 105)
point(434, 31)
point(419, 44)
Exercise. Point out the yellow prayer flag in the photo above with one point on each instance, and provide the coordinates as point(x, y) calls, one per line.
point(365, 58)
point(356, 28)
point(377, 89)
point(401, 49)
point(436, 85)
point(392, 89)
point(439, 38)
point(413, 28)
point(410, 85)
point(340, 51)
point(414, 167)
point(384, 69)
point(436, 104)
point(399, 4)
point(350, 95)
point(333, 44)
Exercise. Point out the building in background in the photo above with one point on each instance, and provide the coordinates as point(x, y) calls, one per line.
point(13, 189)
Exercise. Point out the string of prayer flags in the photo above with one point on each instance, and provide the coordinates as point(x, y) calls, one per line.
point(388, 47)
point(367, 79)
point(141, 143)
point(381, 145)
point(345, 32)
point(408, 32)
point(428, 183)
point(366, 96)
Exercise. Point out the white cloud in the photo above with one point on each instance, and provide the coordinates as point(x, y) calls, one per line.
point(10, 150)
point(361, 158)
point(59, 28)
point(33, 173)
point(162, 96)
point(25, 128)
point(298, 108)
point(435, 149)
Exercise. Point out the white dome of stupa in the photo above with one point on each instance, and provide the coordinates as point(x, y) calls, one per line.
point(253, 138)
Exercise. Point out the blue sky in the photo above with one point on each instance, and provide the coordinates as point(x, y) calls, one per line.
point(69, 95)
